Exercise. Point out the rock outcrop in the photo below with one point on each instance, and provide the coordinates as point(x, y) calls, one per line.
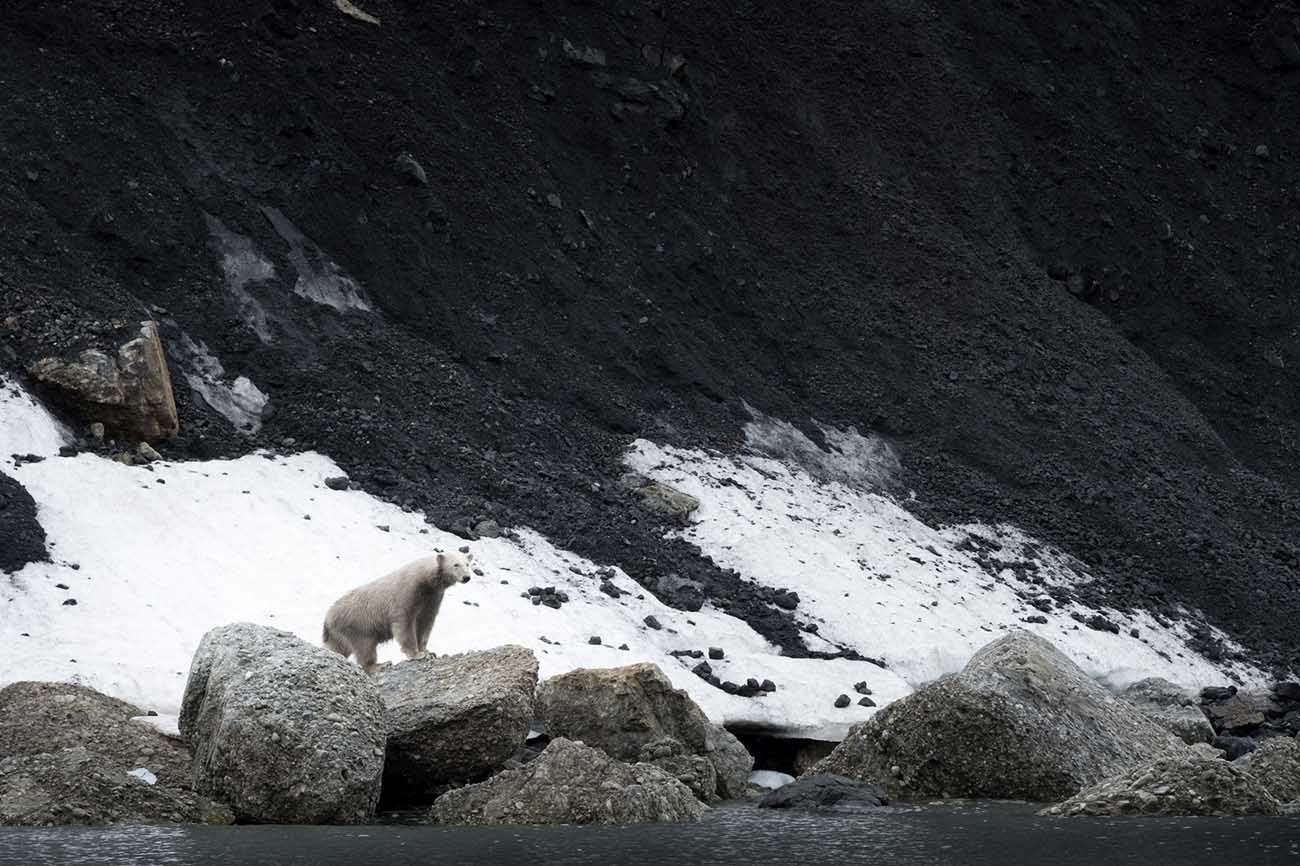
point(1187, 783)
point(623, 710)
point(454, 719)
point(70, 755)
point(1020, 721)
point(130, 392)
point(826, 792)
point(283, 731)
point(1276, 763)
point(571, 783)
point(1173, 708)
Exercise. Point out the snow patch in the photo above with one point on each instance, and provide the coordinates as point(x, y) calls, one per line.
point(770, 779)
point(319, 278)
point(143, 775)
point(153, 566)
point(239, 401)
point(872, 577)
point(849, 458)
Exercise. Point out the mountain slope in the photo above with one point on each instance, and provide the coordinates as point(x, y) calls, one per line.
point(975, 232)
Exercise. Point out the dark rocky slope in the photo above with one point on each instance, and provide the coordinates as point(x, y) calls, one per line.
point(1048, 249)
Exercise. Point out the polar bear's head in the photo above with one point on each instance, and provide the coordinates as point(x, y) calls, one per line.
point(453, 568)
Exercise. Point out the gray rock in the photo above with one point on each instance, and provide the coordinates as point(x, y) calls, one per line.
point(1173, 708)
point(694, 771)
point(454, 719)
point(1238, 714)
point(1020, 721)
point(337, 482)
point(130, 393)
point(414, 174)
point(69, 752)
point(487, 529)
point(1189, 783)
point(621, 710)
point(571, 783)
point(1276, 763)
point(826, 792)
point(660, 498)
point(283, 731)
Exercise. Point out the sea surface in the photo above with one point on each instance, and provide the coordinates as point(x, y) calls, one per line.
point(994, 834)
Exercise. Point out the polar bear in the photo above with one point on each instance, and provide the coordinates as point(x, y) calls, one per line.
point(401, 605)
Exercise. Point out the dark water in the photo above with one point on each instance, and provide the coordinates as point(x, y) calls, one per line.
point(741, 836)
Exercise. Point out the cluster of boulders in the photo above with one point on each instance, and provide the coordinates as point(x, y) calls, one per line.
point(278, 730)
point(1021, 721)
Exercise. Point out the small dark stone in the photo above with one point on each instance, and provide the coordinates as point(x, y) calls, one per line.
point(653, 622)
point(382, 527)
point(866, 702)
point(747, 691)
point(703, 669)
point(753, 683)
point(1036, 618)
point(624, 646)
point(861, 688)
point(60, 586)
point(534, 590)
point(551, 601)
point(1097, 622)
point(68, 602)
point(786, 600)
point(594, 640)
point(1287, 693)
point(842, 701)
point(1213, 694)
point(337, 482)
point(767, 686)
point(610, 589)
point(716, 653)
point(730, 688)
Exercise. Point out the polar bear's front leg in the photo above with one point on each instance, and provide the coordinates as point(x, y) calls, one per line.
point(404, 634)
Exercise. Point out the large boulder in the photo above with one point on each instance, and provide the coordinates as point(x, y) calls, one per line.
point(454, 719)
point(1276, 763)
point(282, 730)
point(826, 792)
point(1173, 708)
point(1186, 783)
point(571, 783)
point(69, 754)
point(1020, 721)
point(623, 710)
point(129, 391)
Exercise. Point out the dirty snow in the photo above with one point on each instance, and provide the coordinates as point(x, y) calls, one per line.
point(872, 577)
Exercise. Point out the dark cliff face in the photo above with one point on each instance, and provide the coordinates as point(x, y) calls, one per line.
point(1048, 250)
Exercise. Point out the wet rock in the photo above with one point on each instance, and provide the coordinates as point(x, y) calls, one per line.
point(861, 688)
point(716, 653)
point(283, 731)
point(866, 702)
point(1020, 721)
point(652, 622)
point(1276, 763)
point(571, 783)
point(129, 392)
point(74, 756)
point(454, 719)
point(842, 701)
point(337, 482)
point(621, 710)
point(826, 792)
point(767, 686)
point(1187, 783)
point(1172, 707)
